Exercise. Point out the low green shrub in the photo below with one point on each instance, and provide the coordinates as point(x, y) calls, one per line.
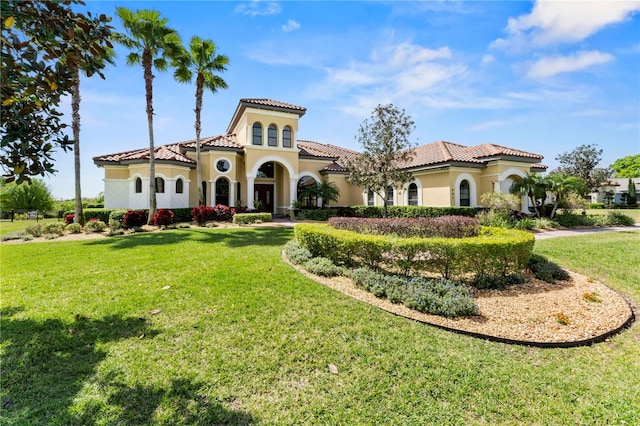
point(14, 236)
point(34, 230)
point(316, 214)
point(596, 206)
point(496, 282)
point(248, 218)
point(619, 219)
point(437, 297)
point(74, 228)
point(100, 214)
point(50, 236)
point(56, 228)
point(322, 266)
point(296, 254)
point(94, 225)
point(495, 251)
point(544, 223)
point(116, 219)
point(545, 270)
point(182, 215)
point(412, 211)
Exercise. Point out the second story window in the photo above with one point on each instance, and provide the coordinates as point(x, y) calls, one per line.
point(286, 137)
point(272, 135)
point(257, 134)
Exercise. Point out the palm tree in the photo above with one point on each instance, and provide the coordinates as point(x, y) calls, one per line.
point(562, 185)
point(532, 186)
point(151, 43)
point(202, 61)
point(328, 191)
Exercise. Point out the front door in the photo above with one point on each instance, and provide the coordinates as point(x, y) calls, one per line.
point(264, 196)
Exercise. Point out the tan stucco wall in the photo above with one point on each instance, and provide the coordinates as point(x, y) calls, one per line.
point(350, 195)
point(266, 117)
point(436, 189)
point(116, 172)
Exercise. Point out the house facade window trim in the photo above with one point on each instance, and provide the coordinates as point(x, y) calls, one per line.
point(159, 185)
point(287, 137)
point(225, 172)
point(137, 185)
point(256, 134)
point(272, 135)
point(179, 185)
point(472, 190)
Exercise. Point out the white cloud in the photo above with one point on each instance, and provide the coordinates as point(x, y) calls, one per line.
point(257, 7)
point(550, 66)
point(403, 70)
point(552, 22)
point(488, 59)
point(291, 25)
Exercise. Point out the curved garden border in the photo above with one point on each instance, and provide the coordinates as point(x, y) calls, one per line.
point(532, 343)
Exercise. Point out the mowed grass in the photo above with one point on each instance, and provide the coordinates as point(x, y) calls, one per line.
point(211, 327)
point(8, 227)
point(634, 213)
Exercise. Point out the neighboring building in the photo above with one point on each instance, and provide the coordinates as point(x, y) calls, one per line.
point(617, 189)
point(261, 162)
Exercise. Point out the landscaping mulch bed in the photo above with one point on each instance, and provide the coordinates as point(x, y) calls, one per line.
point(526, 313)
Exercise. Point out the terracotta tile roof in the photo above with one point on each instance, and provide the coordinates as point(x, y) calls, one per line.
point(172, 152)
point(273, 104)
point(446, 152)
point(321, 150)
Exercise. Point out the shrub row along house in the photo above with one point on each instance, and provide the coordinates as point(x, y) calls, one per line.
point(260, 163)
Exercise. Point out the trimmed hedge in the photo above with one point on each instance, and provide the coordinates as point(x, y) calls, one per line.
point(424, 227)
point(411, 211)
point(316, 214)
point(494, 252)
point(247, 218)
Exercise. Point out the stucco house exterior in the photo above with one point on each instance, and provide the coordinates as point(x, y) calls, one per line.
point(261, 162)
point(618, 188)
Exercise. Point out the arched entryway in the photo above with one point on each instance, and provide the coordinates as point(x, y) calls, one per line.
point(307, 191)
point(271, 185)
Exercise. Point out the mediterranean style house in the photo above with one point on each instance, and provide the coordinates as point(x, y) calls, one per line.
point(260, 163)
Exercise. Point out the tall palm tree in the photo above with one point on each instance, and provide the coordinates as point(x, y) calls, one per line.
point(202, 61)
point(532, 186)
point(92, 63)
point(152, 44)
point(328, 191)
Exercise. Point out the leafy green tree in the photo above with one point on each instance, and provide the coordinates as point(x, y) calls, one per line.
point(627, 167)
point(582, 162)
point(152, 44)
point(533, 186)
point(632, 199)
point(33, 195)
point(386, 151)
point(203, 62)
point(41, 44)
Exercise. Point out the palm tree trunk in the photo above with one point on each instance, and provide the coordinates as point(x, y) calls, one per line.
point(199, 90)
point(148, 84)
point(75, 125)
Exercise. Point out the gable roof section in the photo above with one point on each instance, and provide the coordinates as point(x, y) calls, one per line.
point(267, 104)
point(172, 153)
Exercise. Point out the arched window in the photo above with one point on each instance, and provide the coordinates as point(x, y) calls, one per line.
point(465, 194)
point(370, 198)
point(138, 185)
point(179, 186)
point(286, 137)
point(413, 194)
point(159, 185)
point(307, 191)
point(257, 134)
point(222, 192)
point(272, 135)
point(390, 195)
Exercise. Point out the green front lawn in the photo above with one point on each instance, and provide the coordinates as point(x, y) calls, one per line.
point(634, 213)
point(206, 326)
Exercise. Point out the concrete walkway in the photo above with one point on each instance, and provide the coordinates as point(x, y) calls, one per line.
point(582, 231)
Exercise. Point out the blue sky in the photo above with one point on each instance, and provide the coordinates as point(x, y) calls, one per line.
point(544, 77)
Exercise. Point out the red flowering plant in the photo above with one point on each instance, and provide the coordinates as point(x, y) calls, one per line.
point(202, 214)
point(163, 217)
point(69, 219)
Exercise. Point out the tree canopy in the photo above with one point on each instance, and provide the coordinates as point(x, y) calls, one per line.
point(42, 43)
point(386, 150)
point(582, 162)
point(627, 167)
point(33, 195)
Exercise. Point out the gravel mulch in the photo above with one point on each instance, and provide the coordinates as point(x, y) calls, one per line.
point(526, 313)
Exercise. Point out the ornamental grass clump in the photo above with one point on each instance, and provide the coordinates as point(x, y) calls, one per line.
point(546, 270)
point(296, 254)
point(424, 227)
